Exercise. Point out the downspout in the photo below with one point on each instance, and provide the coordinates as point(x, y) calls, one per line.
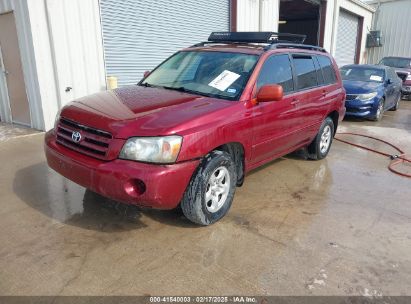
point(336, 6)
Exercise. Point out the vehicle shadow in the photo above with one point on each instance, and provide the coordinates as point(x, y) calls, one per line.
point(64, 201)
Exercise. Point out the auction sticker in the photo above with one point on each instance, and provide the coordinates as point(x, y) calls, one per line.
point(375, 78)
point(224, 80)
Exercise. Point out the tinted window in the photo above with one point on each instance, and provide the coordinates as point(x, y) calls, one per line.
point(328, 69)
point(320, 76)
point(277, 70)
point(305, 71)
point(396, 62)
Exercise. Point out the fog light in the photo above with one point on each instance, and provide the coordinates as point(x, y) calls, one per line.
point(134, 187)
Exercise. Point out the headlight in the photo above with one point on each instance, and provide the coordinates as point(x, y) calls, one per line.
point(367, 96)
point(152, 149)
point(409, 77)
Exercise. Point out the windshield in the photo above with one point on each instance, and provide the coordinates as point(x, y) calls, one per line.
point(362, 74)
point(215, 74)
point(396, 62)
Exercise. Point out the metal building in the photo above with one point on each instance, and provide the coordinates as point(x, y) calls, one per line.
point(54, 51)
point(138, 35)
point(393, 19)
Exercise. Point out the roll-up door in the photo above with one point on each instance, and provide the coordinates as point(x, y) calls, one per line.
point(138, 35)
point(346, 38)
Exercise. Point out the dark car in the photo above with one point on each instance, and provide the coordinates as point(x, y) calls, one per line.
point(371, 90)
point(402, 66)
point(192, 128)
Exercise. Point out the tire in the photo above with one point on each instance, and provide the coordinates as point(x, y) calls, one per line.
point(207, 198)
point(321, 144)
point(397, 104)
point(380, 111)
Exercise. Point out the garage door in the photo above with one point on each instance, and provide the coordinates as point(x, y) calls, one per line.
point(138, 35)
point(346, 38)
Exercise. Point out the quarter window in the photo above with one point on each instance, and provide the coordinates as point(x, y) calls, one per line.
point(305, 71)
point(277, 70)
point(327, 69)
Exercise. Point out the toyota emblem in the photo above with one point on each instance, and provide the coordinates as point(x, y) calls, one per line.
point(76, 136)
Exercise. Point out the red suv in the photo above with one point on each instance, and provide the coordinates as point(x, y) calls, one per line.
point(192, 128)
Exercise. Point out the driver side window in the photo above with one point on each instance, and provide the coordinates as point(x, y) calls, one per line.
point(277, 70)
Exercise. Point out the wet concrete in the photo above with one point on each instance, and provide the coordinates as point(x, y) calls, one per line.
point(340, 226)
point(10, 131)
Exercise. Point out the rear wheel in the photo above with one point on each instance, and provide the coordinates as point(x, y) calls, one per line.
point(321, 144)
point(397, 104)
point(210, 193)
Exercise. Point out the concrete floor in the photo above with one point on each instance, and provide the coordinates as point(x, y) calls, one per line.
point(340, 226)
point(9, 131)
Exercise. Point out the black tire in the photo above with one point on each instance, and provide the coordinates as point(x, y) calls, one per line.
point(315, 149)
point(397, 104)
point(380, 112)
point(194, 204)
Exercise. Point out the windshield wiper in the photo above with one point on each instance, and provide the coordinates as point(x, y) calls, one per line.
point(147, 85)
point(180, 89)
point(183, 89)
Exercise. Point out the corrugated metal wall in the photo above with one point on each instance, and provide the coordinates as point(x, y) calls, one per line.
point(138, 35)
point(61, 46)
point(76, 44)
point(346, 38)
point(257, 15)
point(393, 19)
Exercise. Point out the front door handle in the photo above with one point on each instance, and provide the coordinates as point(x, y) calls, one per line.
point(295, 101)
point(324, 93)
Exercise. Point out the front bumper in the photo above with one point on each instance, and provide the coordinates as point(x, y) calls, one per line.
point(406, 89)
point(150, 185)
point(365, 109)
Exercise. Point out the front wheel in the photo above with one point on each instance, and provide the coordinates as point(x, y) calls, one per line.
point(210, 193)
point(380, 111)
point(321, 144)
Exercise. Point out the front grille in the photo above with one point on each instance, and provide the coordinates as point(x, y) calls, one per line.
point(93, 142)
point(403, 76)
point(351, 97)
point(353, 110)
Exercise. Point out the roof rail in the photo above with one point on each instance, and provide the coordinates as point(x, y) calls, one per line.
point(295, 46)
point(273, 40)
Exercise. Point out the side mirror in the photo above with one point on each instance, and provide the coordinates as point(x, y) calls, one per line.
point(270, 92)
point(389, 81)
point(146, 73)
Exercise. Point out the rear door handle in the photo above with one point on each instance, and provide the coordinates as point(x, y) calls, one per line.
point(324, 93)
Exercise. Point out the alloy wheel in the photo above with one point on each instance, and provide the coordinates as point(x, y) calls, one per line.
point(218, 187)
point(325, 139)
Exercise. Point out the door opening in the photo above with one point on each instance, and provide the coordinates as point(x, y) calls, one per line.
point(12, 71)
point(302, 17)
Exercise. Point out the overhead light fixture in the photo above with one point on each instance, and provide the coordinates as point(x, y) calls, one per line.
point(282, 21)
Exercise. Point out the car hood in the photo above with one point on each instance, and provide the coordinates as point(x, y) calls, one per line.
point(361, 87)
point(144, 111)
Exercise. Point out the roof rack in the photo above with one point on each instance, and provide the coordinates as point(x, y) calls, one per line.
point(272, 39)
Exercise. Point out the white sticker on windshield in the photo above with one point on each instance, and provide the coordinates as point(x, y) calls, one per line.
point(375, 78)
point(224, 80)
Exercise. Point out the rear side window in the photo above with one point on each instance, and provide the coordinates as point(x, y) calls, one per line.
point(277, 70)
point(328, 69)
point(305, 72)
